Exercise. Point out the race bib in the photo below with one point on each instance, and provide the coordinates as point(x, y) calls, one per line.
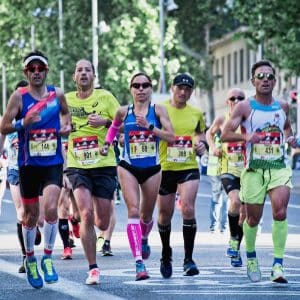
point(42, 142)
point(86, 150)
point(269, 148)
point(236, 155)
point(181, 150)
point(142, 144)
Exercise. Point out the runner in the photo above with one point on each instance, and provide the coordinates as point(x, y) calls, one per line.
point(38, 110)
point(139, 168)
point(266, 127)
point(180, 172)
point(92, 176)
point(232, 160)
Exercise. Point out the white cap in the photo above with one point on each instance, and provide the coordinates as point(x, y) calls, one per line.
point(35, 57)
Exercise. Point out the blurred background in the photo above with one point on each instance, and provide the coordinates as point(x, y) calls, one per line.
point(216, 41)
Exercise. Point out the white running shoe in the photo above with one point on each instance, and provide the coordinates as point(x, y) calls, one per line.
point(277, 274)
point(253, 270)
point(93, 277)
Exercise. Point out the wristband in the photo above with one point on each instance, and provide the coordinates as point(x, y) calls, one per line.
point(19, 125)
point(108, 123)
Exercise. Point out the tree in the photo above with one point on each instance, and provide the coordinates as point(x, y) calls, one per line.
point(276, 26)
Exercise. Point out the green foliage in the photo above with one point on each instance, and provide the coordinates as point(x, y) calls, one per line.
point(276, 25)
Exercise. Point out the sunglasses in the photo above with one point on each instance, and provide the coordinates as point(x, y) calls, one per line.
point(38, 68)
point(144, 85)
point(261, 76)
point(239, 98)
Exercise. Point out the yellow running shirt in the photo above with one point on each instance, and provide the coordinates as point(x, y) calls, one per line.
point(180, 155)
point(84, 141)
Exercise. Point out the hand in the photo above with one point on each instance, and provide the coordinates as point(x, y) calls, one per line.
point(31, 118)
point(142, 122)
point(104, 150)
point(217, 152)
point(65, 130)
point(200, 148)
point(292, 141)
point(95, 120)
point(253, 138)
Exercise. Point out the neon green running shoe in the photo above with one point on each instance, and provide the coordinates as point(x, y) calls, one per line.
point(33, 276)
point(277, 274)
point(253, 270)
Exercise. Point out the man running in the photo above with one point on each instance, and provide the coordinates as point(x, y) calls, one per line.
point(265, 129)
point(42, 117)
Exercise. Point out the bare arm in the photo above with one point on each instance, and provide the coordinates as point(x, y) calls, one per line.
point(65, 114)
point(14, 106)
point(210, 135)
point(239, 113)
point(288, 131)
point(167, 133)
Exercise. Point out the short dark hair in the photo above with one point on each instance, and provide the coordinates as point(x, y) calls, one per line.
point(140, 74)
point(35, 53)
point(261, 63)
point(21, 83)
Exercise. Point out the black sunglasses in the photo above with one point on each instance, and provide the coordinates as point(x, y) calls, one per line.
point(144, 85)
point(239, 98)
point(38, 68)
point(261, 76)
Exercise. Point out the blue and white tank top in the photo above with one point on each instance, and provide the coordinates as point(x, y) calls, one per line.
point(141, 145)
point(268, 121)
point(40, 143)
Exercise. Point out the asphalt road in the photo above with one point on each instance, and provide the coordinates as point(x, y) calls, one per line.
point(217, 279)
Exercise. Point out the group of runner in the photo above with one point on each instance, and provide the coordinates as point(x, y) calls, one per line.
point(161, 142)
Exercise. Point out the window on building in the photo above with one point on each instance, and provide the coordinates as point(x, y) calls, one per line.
point(241, 65)
point(235, 67)
point(248, 64)
point(223, 72)
point(217, 74)
point(228, 70)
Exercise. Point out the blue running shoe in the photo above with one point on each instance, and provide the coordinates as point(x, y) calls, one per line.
point(233, 249)
point(190, 268)
point(141, 272)
point(166, 267)
point(146, 251)
point(237, 261)
point(32, 272)
point(50, 275)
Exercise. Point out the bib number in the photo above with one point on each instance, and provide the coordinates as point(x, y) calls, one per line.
point(86, 150)
point(181, 150)
point(142, 144)
point(42, 142)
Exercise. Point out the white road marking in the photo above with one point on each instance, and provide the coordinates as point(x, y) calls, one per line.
point(70, 288)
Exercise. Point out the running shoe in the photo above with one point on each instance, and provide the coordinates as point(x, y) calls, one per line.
point(190, 268)
point(166, 267)
point(99, 243)
point(277, 274)
point(253, 270)
point(212, 229)
point(38, 236)
point(93, 277)
point(233, 249)
point(106, 250)
point(33, 276)
point(141, 272)
point(237, 261)
point(146, 251)
point(67, 254)
point(22, 267)
point(50, 275)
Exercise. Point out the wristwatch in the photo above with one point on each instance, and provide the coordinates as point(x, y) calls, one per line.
point(151, 127)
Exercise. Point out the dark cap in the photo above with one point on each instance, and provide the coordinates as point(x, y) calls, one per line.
point(184, 79)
